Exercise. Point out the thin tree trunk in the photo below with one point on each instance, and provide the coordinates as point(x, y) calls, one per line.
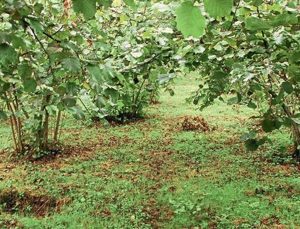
point(295, 131)
point(14, 134)
point(15, 107)
point(16, 130)
point(296, 136)
point(57, 125)
point(136, 102)
point(42, 133)
point(46, 130)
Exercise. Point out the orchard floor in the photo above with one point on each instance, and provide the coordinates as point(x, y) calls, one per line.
point(152, 174)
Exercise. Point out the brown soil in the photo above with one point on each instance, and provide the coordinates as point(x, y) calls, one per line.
point(13, 201)
point(156, 214)
point(196, 123)
point(63, 152)
point(10, 224)
point(159, 168)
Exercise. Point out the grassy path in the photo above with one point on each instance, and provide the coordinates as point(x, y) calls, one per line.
point(152, 174)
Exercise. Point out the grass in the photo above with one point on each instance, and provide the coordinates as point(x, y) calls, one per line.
point(151, 174)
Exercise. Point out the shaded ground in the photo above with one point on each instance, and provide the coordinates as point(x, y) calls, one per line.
point(154, 174)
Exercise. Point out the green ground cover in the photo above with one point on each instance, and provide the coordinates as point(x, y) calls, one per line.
point(152, 174)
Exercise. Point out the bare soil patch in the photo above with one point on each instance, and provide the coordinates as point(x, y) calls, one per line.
point(31, 203)
point(156, 213)
point(10, 224)
point(61, 152)
point(187, 123)
point(196, 123)
point(159, 167)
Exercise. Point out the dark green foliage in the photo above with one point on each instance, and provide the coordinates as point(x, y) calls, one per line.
point(254, 53)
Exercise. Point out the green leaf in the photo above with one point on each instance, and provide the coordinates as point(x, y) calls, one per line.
point(252, 105)
point(268, 125)
point(29, 85)
point(5, 37)
point(296, 120)
point(294, 65)
point(130, 3)
point(218, 75)
point(36, 25)
point(59, 56)
point(255, 2)
point(112, 93)
point(252, 144)
point(218, 8)
point(248, 136)
point(86, 7)
point(105, 3)
point(3, 115)
point(294, 72)
point(38, 8)
point(100, 102)
point(61, 90)
point(295, 57)
point(190, 21)
point(284, 19)
point(25, 70)
point(8, 55)
point(4, 87)
point(69, 101)
point(77, 112)
point(287, 87)
point(96, 73)
point(234, 100)
point(71, 64)
point(18, 42)
point(254, 24)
